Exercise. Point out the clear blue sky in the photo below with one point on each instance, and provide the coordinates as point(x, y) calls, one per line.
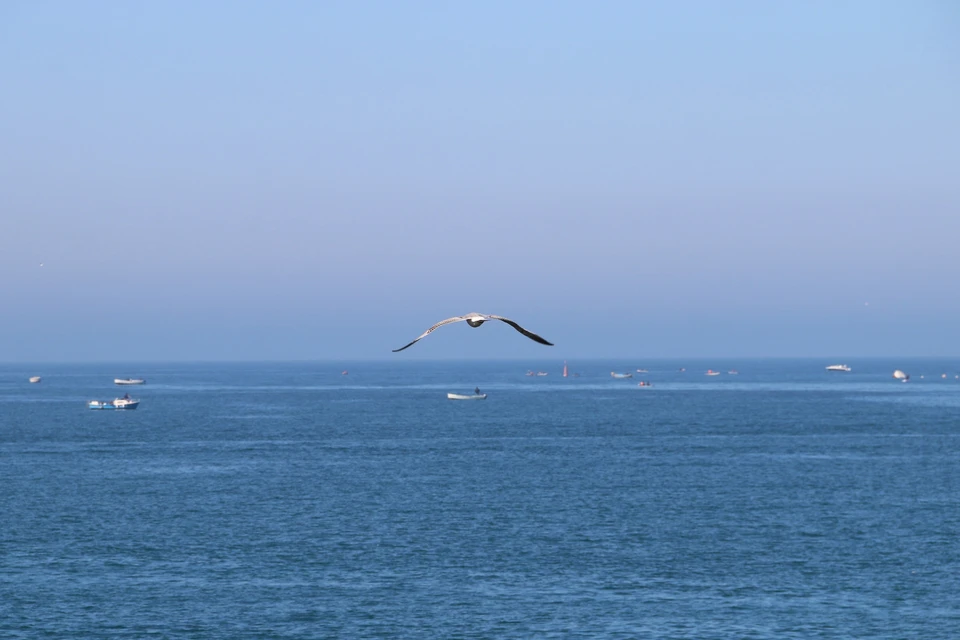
point(312, 180)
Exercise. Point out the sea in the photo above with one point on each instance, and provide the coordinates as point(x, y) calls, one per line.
point(354, 500)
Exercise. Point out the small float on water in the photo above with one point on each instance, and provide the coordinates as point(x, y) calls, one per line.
point(34, 379)
point(127, 381)
point(126, 402)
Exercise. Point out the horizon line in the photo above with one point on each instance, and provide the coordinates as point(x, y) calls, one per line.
point(466, 359)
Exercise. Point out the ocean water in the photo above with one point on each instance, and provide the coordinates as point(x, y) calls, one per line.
point(289, 501)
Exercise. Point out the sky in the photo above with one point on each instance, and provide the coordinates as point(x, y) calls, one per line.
point(232, 180)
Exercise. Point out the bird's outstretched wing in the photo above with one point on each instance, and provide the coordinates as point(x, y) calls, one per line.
point(430, 330)
point(529, 334)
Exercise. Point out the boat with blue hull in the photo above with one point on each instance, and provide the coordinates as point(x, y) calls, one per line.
point(118, 404)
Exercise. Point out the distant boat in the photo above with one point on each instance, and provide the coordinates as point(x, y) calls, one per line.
point(838, 367)
point(644, 383)
point(123, 381)
point(614, 374)
point(733, 372)
point(344, 372)
point(119, 403)
point(530, 373)
point(643, 371)
point(460, 396)
point(711, 372)
point(900, 375)
point(682, 369)
point(542, 373)
point(564, 368)
point(36, 379)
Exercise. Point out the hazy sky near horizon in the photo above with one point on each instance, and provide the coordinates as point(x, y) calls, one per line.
point(301, 180)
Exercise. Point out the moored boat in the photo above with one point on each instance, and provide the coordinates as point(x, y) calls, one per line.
point(900, 375)
point(124, 381)
point(614, 374)
point(838, 367)
point(35, 379)
point(711, 372)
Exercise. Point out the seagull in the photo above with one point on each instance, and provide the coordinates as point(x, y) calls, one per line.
point(475, 320)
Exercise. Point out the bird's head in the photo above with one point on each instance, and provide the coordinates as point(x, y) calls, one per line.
point(475, 319)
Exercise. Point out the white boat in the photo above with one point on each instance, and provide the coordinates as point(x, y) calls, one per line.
point(119, 403)
point(838, 367)
point(123, 381)
point(711, 372)
point(460, 396)
point(35, 379)
point(900, 375)
point(614, 374)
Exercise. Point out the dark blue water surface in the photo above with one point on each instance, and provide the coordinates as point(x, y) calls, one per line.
point(290, 501)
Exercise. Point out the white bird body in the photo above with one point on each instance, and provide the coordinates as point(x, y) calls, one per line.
point(475, 319)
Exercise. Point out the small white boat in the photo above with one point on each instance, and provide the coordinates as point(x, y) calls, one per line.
point(542, 373)
point(119, 403)
point(711, 372)
point(124, 381)
point(460, 396)
point(614, 374)
point(35, 379)
point(838, 367)
point(643, 371)
point(900, 375)
point(733, 372)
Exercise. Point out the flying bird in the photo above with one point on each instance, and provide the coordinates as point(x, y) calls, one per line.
point(475, 320)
